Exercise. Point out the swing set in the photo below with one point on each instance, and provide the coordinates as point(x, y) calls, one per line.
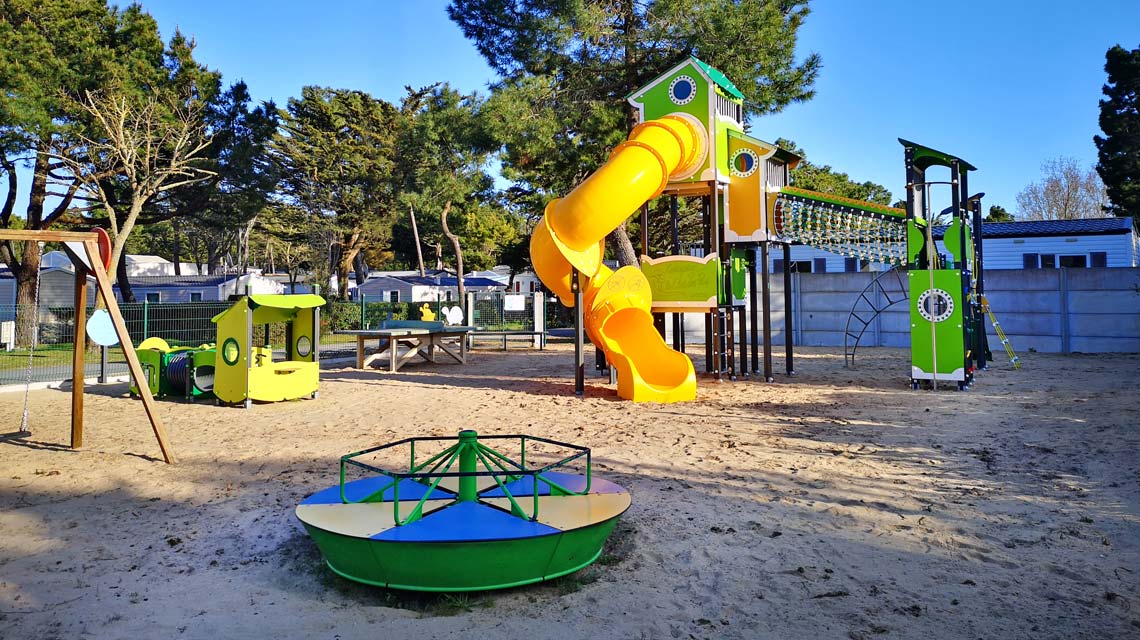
point(90, 253)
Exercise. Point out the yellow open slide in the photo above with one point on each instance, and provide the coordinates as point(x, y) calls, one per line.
point(617, 304)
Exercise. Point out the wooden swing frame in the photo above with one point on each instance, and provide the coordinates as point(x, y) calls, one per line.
point(92, 264)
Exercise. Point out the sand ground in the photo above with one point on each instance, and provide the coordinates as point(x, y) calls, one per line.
point(837, 504)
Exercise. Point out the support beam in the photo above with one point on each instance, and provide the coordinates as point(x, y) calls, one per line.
point(766, 300)
point(103, 282)
point(77, 355)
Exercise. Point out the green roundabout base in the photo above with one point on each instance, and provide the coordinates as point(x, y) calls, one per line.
point(494, 526)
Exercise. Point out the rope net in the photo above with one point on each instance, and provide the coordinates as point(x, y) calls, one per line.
point(851, 228)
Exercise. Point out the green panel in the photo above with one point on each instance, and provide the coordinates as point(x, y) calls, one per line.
point(949, 333)
point(925, 157)
point(915, 241)
point(682, 279)
point(969, 248)
point(151, 362)
point(656, 102)
point(722, 166)
point(952, 240)
point(738, 274)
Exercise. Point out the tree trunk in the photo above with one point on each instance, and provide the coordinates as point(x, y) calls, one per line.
point(351, 244)
point(360, 268)
point(458, 256)
point(622, 246)
point(177, 248)
point(26, 285)
point(416, 237)
point(438, 256)
point(124, 282)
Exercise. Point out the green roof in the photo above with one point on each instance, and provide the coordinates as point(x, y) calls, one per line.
point(274, 307)
point(719, 78)
point(925, 157)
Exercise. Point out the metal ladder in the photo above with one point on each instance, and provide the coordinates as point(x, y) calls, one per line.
point(873, 300)
point(1013, 359)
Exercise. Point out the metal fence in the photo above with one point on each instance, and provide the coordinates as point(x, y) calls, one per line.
point(190, 324)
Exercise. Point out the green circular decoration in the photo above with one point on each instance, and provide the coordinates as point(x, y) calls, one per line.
point(304, 346)
point(230, 351)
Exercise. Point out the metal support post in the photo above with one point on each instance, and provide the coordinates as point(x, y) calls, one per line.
point(579, 336)
point(788, 324)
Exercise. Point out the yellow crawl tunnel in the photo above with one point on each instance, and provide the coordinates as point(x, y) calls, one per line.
point(245, 372)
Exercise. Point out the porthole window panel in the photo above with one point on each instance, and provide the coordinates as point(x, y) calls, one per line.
point(682, 90)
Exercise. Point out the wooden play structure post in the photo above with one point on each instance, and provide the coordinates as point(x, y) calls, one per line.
point(91, 262)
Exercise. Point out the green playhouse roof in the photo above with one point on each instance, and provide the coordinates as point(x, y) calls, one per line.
point(719, 78)
point(275, 307)
point(285, 301)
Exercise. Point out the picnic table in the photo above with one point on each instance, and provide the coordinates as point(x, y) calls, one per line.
point(417, 337)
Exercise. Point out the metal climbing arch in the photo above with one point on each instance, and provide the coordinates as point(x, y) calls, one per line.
point(878, 296)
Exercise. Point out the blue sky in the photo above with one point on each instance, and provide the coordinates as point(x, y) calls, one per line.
point(1004, 84)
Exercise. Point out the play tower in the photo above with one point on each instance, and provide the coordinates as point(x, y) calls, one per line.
point(691, 143)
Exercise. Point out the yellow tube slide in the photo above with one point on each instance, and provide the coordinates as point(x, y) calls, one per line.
point(572, 235)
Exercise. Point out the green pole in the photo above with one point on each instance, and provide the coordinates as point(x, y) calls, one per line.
point(146, 309)
point(362, 324)
point(468, 440)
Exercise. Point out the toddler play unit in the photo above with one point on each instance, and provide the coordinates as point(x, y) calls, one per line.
point(466, 517)
point(691, 143)
point(245, 372)
point(239, 371)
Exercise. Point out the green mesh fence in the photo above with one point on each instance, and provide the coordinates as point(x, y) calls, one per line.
point(189, 324)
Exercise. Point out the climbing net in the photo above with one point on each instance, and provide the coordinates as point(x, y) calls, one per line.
point(851, 228)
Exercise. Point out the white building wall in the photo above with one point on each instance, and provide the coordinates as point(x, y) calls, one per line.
point(1006, 253)
point(248, 284)
point(7, 291)
point(802, 253)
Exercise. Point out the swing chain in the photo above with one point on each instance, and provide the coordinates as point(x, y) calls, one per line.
point(24, 431)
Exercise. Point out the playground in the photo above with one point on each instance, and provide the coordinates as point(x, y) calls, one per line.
point(838, 504)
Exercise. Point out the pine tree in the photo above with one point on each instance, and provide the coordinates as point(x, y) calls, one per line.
point(1118, 152)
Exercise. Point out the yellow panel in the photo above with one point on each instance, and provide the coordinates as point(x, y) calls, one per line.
point(233, 340)
point(362, 520)
point(481, 483)
point(570, 512)
point(284, 380)
point(743, 217)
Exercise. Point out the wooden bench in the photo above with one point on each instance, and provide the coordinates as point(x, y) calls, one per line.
point(505, 335)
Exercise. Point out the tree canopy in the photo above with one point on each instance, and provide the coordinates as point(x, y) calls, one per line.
point(568, 65)
point(998, 214)
point(1118, 151)
point(337, 153)
point(1066, 191)
point(823, 178)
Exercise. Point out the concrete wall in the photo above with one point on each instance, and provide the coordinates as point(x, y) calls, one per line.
point(1047, 310)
